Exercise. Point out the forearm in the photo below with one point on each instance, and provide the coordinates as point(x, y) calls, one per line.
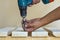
point(50, 17)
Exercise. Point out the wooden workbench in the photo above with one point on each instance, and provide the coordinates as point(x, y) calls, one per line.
point(28, 38)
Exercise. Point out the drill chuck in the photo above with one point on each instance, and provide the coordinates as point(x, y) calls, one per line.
point(23, 11)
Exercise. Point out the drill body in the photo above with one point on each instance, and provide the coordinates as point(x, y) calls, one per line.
point(23, 8)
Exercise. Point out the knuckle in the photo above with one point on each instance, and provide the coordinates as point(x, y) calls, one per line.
point(36, 1)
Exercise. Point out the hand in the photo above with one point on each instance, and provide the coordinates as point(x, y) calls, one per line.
point(35, 2)
point(32, 25)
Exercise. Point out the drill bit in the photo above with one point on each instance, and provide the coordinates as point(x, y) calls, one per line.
point(23, 23)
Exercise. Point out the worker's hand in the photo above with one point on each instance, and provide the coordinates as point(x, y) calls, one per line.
point(35, 2)
point(32, 25)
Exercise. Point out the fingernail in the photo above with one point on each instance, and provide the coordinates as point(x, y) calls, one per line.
point(25, 25)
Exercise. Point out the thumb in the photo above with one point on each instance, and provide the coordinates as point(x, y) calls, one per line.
point(28, 25)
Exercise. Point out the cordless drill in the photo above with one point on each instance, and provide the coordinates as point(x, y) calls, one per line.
point(23, 8)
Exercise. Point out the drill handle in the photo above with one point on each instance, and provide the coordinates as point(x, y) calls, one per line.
point(24, 2)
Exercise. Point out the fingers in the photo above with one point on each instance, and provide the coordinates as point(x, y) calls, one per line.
point(28, 21)
point(29, 29)
point(29, 26)
point(34, 2)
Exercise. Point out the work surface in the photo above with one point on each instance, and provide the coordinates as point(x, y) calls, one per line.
point(15, 33)
point(29, 38)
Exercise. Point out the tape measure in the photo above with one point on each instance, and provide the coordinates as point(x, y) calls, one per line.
point(47, 1)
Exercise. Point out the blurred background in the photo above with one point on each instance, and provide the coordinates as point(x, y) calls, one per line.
point(10, 16)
